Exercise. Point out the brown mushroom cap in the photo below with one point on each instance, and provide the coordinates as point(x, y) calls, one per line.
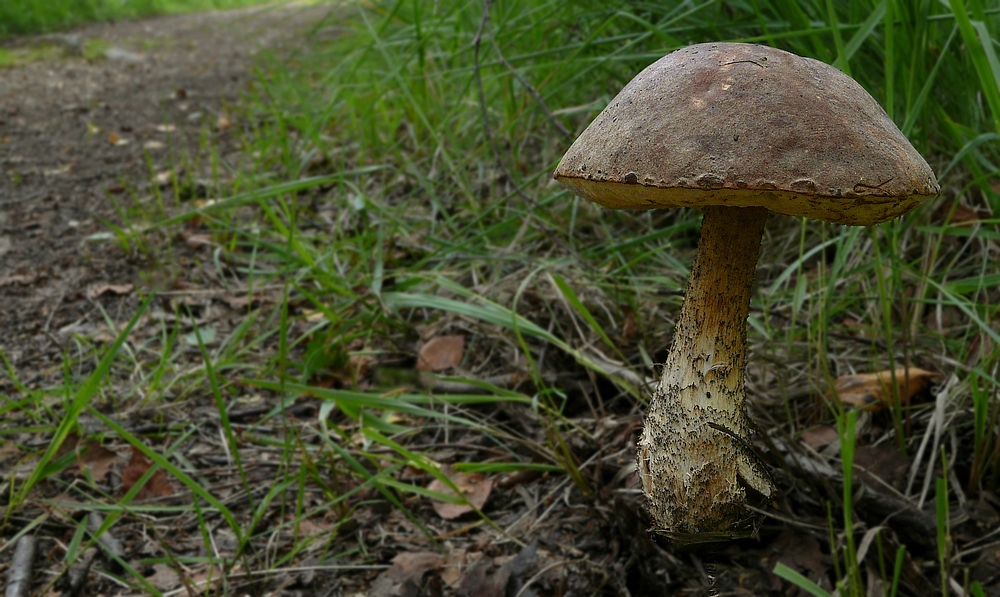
point(744, 125)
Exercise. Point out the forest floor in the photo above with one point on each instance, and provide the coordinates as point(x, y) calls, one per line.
point(98, 124)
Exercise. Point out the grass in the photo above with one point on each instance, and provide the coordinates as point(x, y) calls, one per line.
point(22, 17)
point(399, 189)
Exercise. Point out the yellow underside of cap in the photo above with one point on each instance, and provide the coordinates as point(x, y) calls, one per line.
point(854, 211)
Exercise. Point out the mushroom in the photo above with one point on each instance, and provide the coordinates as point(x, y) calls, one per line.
point(739, 130)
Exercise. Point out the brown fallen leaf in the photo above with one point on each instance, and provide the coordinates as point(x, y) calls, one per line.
point(205, 576)
point(413, 565)
point(475, 488)
point(455, 563)
point(801, 552)
point(406, 576)
point(873, 391)
point(95, 459)
point(156, 487)
point(441, 352)
point(19, 279)
point(881, 465)
point(164, 577)
point(959, 214)
point(819, 437)
point(508, 579)
point(68, 445)
point(101, 289)
point(312, 527)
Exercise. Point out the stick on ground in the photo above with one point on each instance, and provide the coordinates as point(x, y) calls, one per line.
point(21, 566)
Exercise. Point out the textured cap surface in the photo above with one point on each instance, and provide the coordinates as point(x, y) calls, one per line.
point(746, 125)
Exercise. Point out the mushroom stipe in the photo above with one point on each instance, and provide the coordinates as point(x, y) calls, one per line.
point(739, 130)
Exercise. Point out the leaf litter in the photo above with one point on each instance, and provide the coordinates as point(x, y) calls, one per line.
point(876, 391)
point(473, 489)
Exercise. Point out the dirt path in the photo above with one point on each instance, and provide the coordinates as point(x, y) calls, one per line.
point(79, 135)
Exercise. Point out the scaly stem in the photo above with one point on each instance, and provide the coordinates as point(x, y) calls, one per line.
point(697, 467)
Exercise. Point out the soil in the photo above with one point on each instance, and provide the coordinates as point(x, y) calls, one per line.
point(80, 140)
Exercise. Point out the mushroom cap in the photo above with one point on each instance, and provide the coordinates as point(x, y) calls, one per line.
point(744, 125)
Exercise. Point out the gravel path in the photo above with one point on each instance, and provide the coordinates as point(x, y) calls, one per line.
point(79, 137)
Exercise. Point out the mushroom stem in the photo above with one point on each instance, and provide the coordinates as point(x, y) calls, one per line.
point(697, 467)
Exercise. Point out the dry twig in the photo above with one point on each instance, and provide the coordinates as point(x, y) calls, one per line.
point(21, 566)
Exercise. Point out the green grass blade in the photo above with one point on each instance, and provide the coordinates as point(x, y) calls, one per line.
point(570, 295)
point(80, 402)
point(783, 571)
point(979, 49)
point(177, 473)
point(865, 30)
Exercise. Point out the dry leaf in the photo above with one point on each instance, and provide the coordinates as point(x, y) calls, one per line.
point(451, 570)
point(157, 486)
point(818, 437)
point(312, 528)
point(206, 575)
point(413, 565)
point(475, 488)
point(958, 214)
point(19, 279)
point(802, 552)
point(441, 352)
point(68, 445)
point(406, 576)
point(872, 391)
point(881, 465)
point(504, 581)
point(101, 289)
point(96, 460)
point(164, 578)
